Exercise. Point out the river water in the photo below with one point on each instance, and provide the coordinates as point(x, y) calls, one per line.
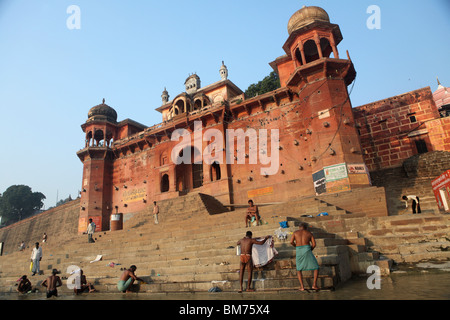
point(425, 284)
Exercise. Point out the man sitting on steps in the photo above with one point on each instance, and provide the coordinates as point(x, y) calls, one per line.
point(252, 212)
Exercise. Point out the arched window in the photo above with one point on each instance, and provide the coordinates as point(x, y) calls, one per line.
point(164, 159)
point(198, 104)
point(311, 53)
point(298, 56)
point(327, 50)
point(88, 138)
point(99, 136)
point(165, 185)
point(215, 171)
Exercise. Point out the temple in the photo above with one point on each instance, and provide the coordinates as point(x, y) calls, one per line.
point(323, 146)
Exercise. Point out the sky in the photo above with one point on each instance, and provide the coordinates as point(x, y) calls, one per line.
point(51, 74)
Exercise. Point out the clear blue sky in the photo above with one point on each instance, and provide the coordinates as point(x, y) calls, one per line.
point(128, 51)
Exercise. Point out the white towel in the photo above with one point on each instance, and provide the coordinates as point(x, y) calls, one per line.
point(263, 254)
point(99, 257)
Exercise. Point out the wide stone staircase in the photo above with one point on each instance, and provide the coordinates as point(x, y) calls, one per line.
point(193, 249)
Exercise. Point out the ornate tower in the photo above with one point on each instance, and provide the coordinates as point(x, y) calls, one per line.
point(223, 71)
point(165, 97)
point(192, 84)
point(313, 70)
point(97, 155)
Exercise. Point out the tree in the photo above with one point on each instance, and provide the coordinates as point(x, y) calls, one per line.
point(269, 83)
point(19, 202)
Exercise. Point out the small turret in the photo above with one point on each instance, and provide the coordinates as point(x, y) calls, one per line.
point(223, 71)
point(165, 96)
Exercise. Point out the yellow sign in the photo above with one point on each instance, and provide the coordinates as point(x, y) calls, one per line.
point(359, 178)
point(259, 192)
point(134, 195)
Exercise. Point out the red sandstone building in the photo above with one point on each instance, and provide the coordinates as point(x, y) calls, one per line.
point(324, 146)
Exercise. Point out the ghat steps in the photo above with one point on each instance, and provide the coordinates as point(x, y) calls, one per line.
point(192, 250)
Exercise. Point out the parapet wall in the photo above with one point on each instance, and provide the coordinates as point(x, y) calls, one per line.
point(59, 223)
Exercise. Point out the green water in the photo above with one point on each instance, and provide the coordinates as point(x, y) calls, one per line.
point(425, 285)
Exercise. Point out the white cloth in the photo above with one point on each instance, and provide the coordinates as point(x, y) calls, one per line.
point(263, 254)
point(98, 258)
point(36, 254)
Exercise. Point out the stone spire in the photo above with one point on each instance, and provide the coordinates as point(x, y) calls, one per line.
point(223, 71)
point(165, 96)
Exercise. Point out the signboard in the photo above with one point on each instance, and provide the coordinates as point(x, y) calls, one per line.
point(319, 182)
point(336, 172)
point(259, 192)
point(338, 186)
point(359, 179)
point(356, 168)
point(83, 222)
point(441, 189)
point(134, 195)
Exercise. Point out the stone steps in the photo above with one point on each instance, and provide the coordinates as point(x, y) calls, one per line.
point(192, 266)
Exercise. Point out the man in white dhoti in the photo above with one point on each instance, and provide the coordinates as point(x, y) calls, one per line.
point(36, 257)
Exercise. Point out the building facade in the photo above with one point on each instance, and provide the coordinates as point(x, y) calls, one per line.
point(302, 139)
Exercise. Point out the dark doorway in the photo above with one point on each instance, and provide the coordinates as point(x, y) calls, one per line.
point(421, 146)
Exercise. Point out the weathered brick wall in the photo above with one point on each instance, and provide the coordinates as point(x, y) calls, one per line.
point(390, 128)
point(59, 223)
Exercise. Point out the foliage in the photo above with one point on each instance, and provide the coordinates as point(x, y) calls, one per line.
point(19, 202)
point(62, 201)
point(269, 83)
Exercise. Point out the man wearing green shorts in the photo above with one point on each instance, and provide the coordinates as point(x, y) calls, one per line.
point(127, 279)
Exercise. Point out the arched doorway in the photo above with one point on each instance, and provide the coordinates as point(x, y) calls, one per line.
point(165, 185)
point(189, 174)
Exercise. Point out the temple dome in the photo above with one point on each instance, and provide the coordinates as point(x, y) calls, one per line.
point(441, 96)
point(305, 16)
point(102, 112)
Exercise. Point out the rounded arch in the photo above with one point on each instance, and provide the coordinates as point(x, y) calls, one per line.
point(89, 137)
point(164, 159)
point(99, 136)
point(215, 171)
point(310, 49)
point(326, 48)
point(165, 184)
point(298, 56)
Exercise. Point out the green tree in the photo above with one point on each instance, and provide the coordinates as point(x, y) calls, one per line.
point(269, 83)
point(19, 202)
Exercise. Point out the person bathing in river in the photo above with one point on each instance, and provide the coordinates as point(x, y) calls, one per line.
point(305, 243)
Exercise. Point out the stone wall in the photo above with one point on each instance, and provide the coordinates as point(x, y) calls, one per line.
point(391, 129)
point(60, 224)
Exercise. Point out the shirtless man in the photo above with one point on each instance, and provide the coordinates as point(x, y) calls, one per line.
point(24, 285)
point(246, 258)
point(84, 285)
point(127, 279)
point(252, 211)
point(52, 283)
point(304, 242)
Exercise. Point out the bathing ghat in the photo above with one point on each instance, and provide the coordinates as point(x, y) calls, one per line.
point(193, 248)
